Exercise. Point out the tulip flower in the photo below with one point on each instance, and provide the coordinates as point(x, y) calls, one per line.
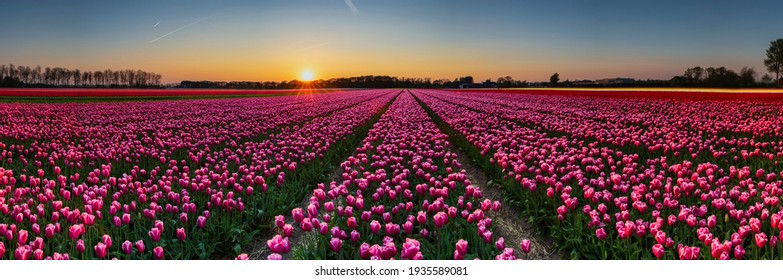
point(335, 244)
point(127, 247)
point(80, 246)
point(74, 231)
point(274, 256)
point(100, 250)
point(242, 257)
point(140, 246)
point(761, 239)
point(158, 253)
point(658, 250)
point(154, 234)
point(278, 244)
point(181, 234)
point(462, 247)
point(106, 240)
point(525, 245)
point(600, 233)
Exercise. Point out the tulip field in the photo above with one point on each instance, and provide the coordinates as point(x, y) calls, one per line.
point(375, 175)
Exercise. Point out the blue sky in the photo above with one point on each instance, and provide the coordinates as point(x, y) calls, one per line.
point(277, 40)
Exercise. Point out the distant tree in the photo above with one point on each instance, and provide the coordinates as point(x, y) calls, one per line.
point(766, 79)
point(748, 76)
point(554, 78)
point(774, 61)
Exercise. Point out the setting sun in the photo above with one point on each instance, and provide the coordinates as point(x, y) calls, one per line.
point(307, 75)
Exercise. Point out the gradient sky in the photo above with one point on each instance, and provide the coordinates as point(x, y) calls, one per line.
point(277, 40)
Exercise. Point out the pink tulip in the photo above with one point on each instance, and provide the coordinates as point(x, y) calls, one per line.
point(525, 245)
point(242, 257)
point(74, 231)
point(2, 249)
point(278, 244)
point(739, 252)
point(658, 250)
point(159, 225)
point(335, 244)
point(22, 237)
point(440, 219)
point(500, 244)
point(22, 253)
point(288, 230)
point(38, 254)
point(106, 240)
point(127, 247)
point(279, 221)
point(140, 246)
point(100, 250)
point(297, 214)
point(462, 247)
point(600, 233)
point(154, 233)
point(274, 256)
point(375, 227)
point(158, 253)
point(201, 222)
point(761, 239)
point(80, 246)
point(181, 234)
point(355, 236)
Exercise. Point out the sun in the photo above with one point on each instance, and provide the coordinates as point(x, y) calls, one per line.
point(307, 75)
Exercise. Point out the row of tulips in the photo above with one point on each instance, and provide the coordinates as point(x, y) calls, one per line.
point(402, 195)
point(67, 194)
point(608, 179)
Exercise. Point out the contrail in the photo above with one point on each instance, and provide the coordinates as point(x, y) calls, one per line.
point(353, 8)
point(313, 46)
point(156, 25)
point(183, 27)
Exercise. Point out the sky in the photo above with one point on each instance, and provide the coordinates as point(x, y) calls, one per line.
point(280, 39)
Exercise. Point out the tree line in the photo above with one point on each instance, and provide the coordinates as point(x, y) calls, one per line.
point(26, 76)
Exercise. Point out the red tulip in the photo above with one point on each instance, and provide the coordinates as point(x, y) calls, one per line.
point(658, 250)
point(761, 239)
